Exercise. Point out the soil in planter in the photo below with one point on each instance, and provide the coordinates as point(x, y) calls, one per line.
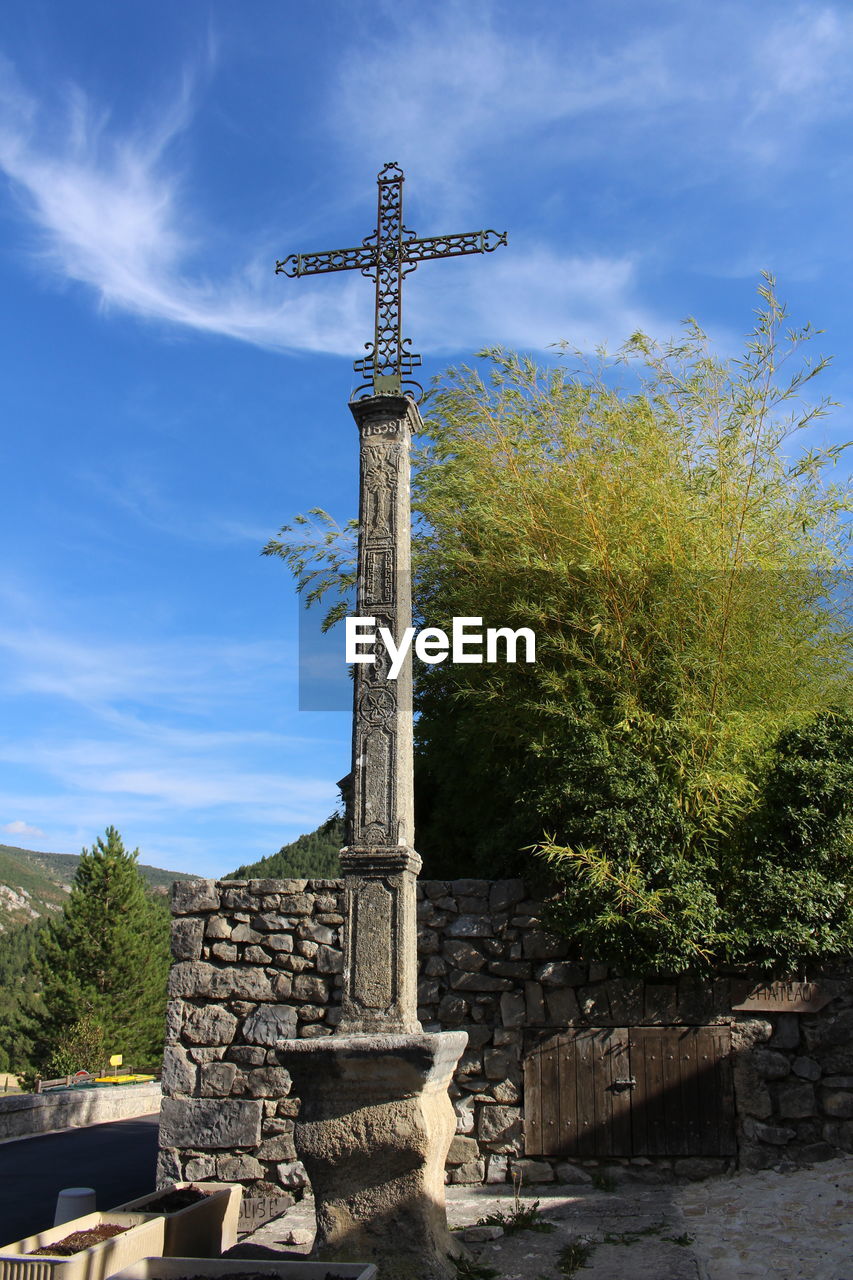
point(172, 1201)
point(79, 1240)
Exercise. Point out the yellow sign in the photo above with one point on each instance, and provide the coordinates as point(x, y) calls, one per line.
point(115, 1060)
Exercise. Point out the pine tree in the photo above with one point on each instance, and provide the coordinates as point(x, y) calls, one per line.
point(107, 958)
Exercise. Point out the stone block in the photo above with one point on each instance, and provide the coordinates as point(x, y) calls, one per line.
point(278, 1148)
point(269, 1024)
point(464, 1108)
point(329, 960)
point(462, 1150)
point(238, 1168)
point(473, 888)
point(199, 1168)
point(480, 1235)
point(468, 1174)
point(769, 1064)
point(838, 1082)
point(208, 1123)
point(254, 955)
point(194, 895)
point(698, 1167)
point(196, 978)
point(279, 942)
point(452, 1010)
point(828, 1031)
point(751, 1091)
point(267, 1082)
point(319, 933)
point(506, 1091)
point(496, 1064)
point(839, 1133)
point(497, 1168)
point(469, 927)
point(561, 1005)
point(217, 928)
point(505, 893)
point(661, 1003)
point(467, 904)
point(786, 1033)
point(532, 1171)
point(500, 1127)
point(207, 1053)
point(594, 1002)
point(806, 1068)
point(797, 1100)
point(464, 955)
point(242, 933)
point(461, 981)
point(209, 1024)
point(308, 987)
point(511, 968)
point(513, 1013)
point(292, 1174)
point(573, 1175)
point(187, 934)
point(179, 1074)
point(297, 904)
point(816, 1152)
point(777, 1135)
point(560, 973)
point(534, 1002)
point(217, 1079)
point(837, 1103)
point(537, 944)
point(246, 1055)
point(224, 951)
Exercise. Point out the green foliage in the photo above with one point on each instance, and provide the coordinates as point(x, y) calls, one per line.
point(680, 552)
point(20, 1004)
point(106, 960)
point(522, 1217)
point(82, 1046)
point(313, 856)
point(574, 1255)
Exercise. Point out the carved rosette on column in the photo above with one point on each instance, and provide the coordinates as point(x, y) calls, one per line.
point(380, 864)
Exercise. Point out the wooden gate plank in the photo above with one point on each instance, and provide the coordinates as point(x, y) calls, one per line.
point(620, 1098)
point(533, 1144)
point(552, 1057)
point(585, 1066)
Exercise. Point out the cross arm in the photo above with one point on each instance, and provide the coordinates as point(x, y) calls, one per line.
point(425, 247)
point(314, 264)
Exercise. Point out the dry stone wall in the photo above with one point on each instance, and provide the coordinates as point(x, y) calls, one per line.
point(259, 960)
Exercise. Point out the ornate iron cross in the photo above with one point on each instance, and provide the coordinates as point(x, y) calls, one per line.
point(386, 255)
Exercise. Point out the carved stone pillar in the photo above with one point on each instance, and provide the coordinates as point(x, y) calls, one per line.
point(380, 865)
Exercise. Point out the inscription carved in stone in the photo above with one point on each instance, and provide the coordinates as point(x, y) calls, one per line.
point(378, 575)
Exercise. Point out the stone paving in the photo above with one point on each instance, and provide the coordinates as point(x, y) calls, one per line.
point(748, 1226)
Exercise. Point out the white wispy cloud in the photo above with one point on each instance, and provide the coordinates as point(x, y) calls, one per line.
point(21, 828)
point(113, 211)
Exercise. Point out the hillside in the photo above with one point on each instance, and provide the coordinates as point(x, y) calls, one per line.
point(312, 856)
point(34, 884)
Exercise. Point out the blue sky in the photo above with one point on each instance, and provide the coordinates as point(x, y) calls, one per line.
point(169, 402)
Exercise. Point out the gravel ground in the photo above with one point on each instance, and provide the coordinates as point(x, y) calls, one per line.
point(750, 1226)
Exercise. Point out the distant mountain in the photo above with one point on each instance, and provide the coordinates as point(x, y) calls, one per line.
point(34, 885)
point(309, 857)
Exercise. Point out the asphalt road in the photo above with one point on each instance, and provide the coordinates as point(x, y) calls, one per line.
point(117, 1159)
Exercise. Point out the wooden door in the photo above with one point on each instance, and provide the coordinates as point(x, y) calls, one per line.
point(619, 1091)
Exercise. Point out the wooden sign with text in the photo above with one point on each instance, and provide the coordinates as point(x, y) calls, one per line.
point(788, 996)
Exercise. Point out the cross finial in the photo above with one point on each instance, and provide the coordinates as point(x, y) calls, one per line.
point(390, 252)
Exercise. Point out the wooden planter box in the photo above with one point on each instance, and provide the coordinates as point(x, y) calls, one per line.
point(217, 1269)
point(143, 1240)
point(203, 1230)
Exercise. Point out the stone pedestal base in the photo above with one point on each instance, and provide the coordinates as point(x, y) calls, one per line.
point(373, 1133)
